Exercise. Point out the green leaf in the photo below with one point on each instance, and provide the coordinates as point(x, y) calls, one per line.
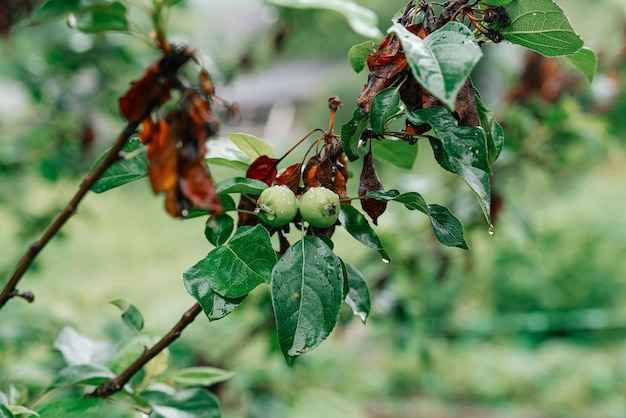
point(54, 8)
point(357, 55)
point(4, 412)
point(71, 407)
point(82, 374)
point(77, 349)
point(197, 403)
point(101, 18)
point(357, 225)
point(542, 26)
point(132, 167)
point(130, 314)
point(307, 289)
point(586, 61)
point(443, 60)
point(241, 185)
point(351, 134)
point(358, 298)
point(19, 410)
point(363, 21)
point(252, 146)
point(198, 376)
point(219, 228)
point(385, 105)
point(459, 149)
point(223, 162)
point(411, 200)
point(214, 306)
point(236, 268)
point(395, 151)
point(447, 227)
point(493, 130)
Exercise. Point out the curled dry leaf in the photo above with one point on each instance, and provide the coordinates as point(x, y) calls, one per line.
point(370, 182)
point(153, 89)
point(290, 177)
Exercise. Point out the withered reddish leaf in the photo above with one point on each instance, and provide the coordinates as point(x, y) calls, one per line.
point(176, 203)
point(370, 182)
point(197, 186)
point(247, 204)
point(339, 185)
point(206, 84)
point(144, 95)
point(200, 111)
point(466, 111)
point(149, 129)
point(264, 169)
point(153, 89)
point(163, 158)
point(309, 174)
point(290, 177)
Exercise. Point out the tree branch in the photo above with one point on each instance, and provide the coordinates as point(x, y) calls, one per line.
point(116, 384)
point(27, 259)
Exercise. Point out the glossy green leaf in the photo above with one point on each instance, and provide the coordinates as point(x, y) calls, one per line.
point(395, 151)
point(358, 297)
point(498, 2)
point(411, 200)
point(357, 225)
point(82, 374)
point(459, 149)
point(307, 289)
point(443, 60)
point(132, 167)
point(447, 227)
point(214, 306)
point(236, 268)
point(197, 403)
point(357, 55)
point(55, 8)
point(198, 376)
point(219, 228)
point(77, 349)
point(252, 146)
point(363, 21)
point(71, 407)
point(586, 61)
point(351, 134)
point(542, 26)
point(240, 185)
point(103, 17)
point(493, 130)
point(384, 106)
point(130, 314)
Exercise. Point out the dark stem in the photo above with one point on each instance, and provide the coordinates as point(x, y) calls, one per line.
point(116, 384)
point(53, 228)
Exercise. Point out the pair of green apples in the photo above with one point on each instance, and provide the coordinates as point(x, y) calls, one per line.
point(278, 205)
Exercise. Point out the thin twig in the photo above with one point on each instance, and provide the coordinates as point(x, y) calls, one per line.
point(53, 228)
point(116, 384)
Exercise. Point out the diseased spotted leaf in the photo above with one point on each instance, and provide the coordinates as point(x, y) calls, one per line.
point(307, 289)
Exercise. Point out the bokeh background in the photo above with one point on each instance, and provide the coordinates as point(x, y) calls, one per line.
point(530, 323)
